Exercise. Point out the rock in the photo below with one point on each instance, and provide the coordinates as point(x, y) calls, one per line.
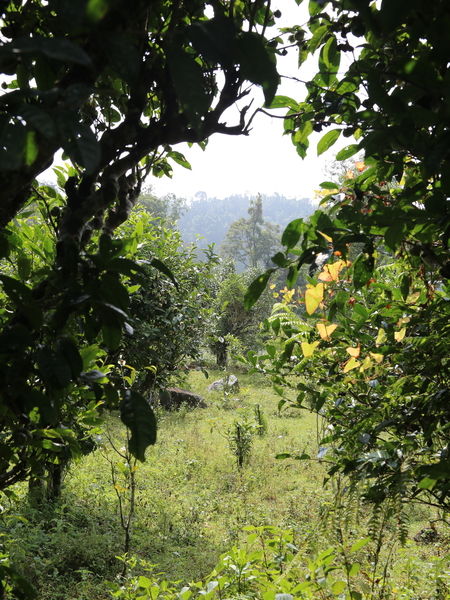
point(428, 535)
point(229, 383)
point(175, 398)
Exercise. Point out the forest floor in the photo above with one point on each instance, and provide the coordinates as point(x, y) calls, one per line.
point(192, 503)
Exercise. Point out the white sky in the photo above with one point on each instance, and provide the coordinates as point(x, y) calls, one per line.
point(266, 161)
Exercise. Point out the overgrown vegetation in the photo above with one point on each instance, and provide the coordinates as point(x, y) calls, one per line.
point(193, 503)
point(101, 308)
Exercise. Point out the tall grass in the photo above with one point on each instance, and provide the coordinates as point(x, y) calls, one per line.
point(192, 502)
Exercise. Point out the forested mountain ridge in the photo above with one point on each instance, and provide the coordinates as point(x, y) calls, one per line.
point(212, 217)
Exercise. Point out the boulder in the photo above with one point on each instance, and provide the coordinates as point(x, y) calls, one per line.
point(175, 398)
point(230, 383)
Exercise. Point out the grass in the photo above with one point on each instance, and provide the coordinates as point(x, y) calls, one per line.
point(192, 502)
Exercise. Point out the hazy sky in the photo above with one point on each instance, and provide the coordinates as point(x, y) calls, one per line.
point(265, 161)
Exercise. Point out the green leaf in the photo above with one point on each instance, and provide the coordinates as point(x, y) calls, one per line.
point(347, 152)
point(427, 483)
point(83, 148)
point(280, 260)
point(393, 235)
point(68, 349)
point(256, 288)
point(360, 544)
point(179, 159)
point(92, 376)
point(258, 64)
point(329, 185)
point(284, 102)
point(39, 119)
point(317, 38)
point(137, 414)
point(315, 7)
point(59, 49)
point(327, 141)
point(112, 334)
point(96, 9)
point(329, 60)
point(31, 148)
point(13, 142)
point(15, 289)
point(214, 39)
point(405, 285)
point(283, 455)
point(338, 587)
point(54, 369)
point(291, 277)
point(24, 265)
point(362, 271)
point(189, 84)
point(292, 233)
point(163, 268)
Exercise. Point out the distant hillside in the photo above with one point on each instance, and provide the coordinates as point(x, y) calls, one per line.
point(211, 217)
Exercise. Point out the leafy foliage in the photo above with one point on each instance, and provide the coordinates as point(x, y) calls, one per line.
point(230, 318)
point(114, 89)
point(381, 376)
point(252, 241)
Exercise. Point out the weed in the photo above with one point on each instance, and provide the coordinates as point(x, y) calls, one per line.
point(260, 420)
point(240, 440)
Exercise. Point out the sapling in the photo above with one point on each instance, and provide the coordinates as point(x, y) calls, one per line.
point(240, 439)
point(260, 421)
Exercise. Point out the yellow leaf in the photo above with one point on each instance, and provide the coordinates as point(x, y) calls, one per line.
point(412, 298)
point(403, 321)
point(331, 272)
point(352, 363)
point(272, 286)
point(354, 352)
point(376, 357)
point(381, 337)
point(366, 364)
point(313, 297)
point(399, 335)
point(325, 331)
point(327, 237)
point(308, 349)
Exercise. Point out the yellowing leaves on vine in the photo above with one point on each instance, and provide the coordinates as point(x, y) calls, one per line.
point(352, 363)
point(325, 330)
point(354, 352)
point(313, 297)
point(366, 364)
point(331, 271)
point(399, 335)
point(376, 357)
point(308, 349)
point(381, 337)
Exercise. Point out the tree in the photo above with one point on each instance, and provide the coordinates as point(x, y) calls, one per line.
point(382, 373)
point(251, 242)
point(168, 208)
point(170, 317)
point(230, 319)
point(114, 89)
